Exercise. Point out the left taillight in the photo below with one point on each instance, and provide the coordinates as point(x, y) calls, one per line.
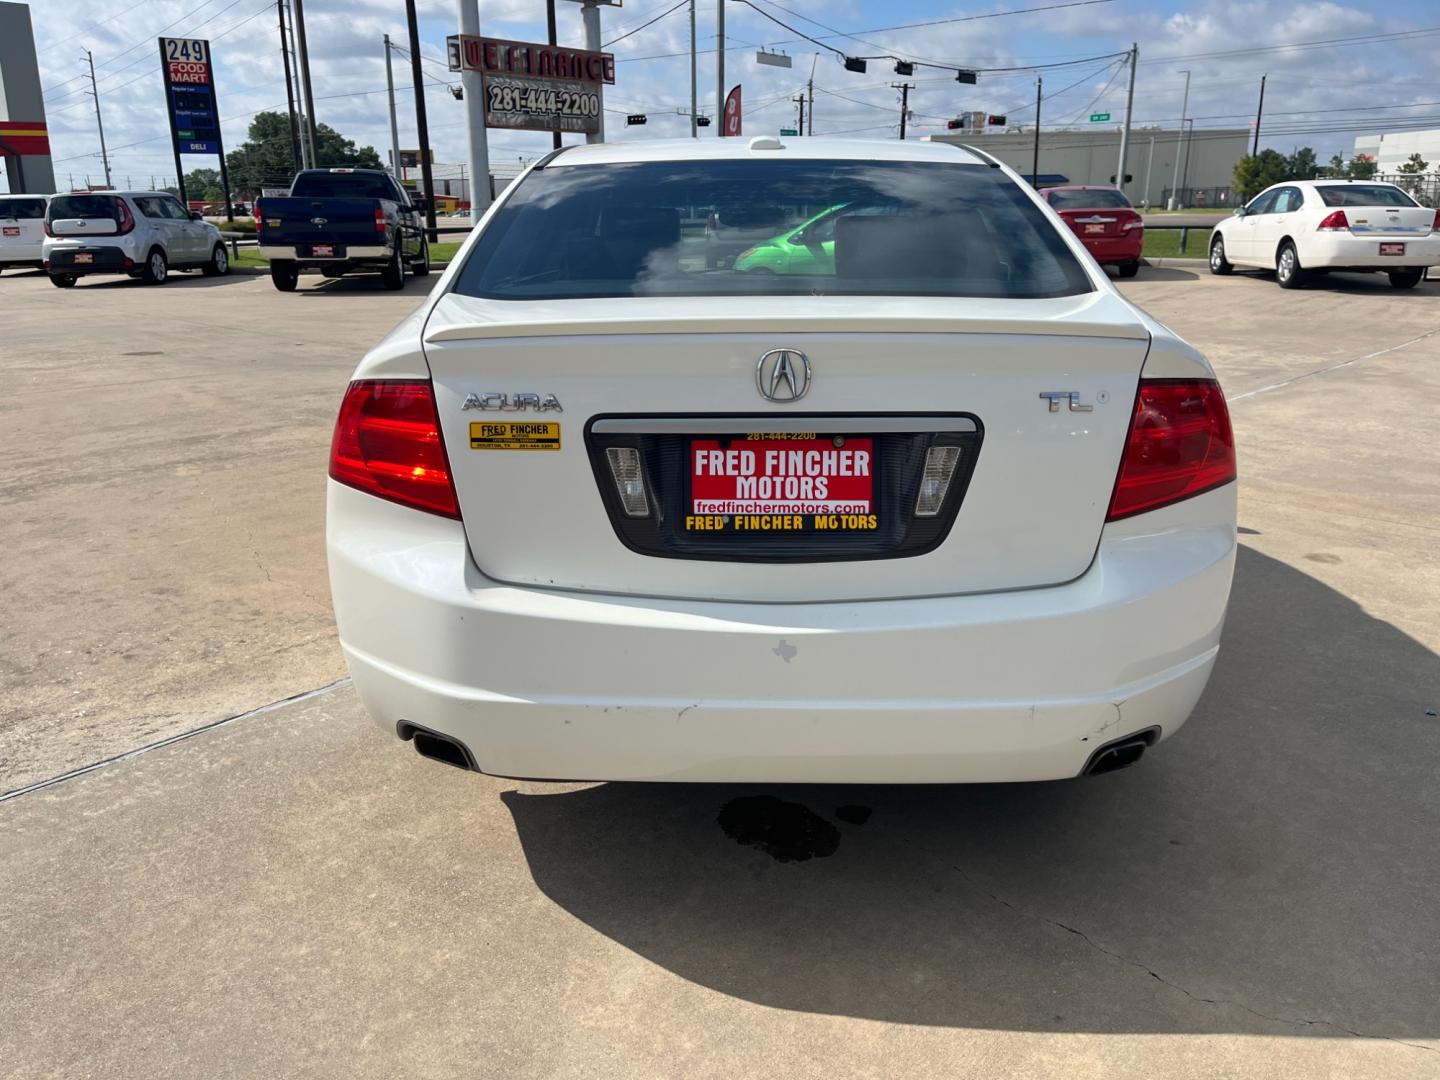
point(387, 443)
point(379, 219)
point(1180, 444)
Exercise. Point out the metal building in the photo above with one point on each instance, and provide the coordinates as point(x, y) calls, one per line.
point(1393, 149)
point(24, 139)
point(1090, 156)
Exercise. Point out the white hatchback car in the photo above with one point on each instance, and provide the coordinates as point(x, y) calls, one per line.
point(945, 508)
point(22, 230)
point(1305, 226)
point(145, 234)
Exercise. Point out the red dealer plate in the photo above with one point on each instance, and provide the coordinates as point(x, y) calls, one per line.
point(12, 230)
point(322, 249)
point(782, 474)
point(84, 257)
point(1392, 249)
point(1089, 229)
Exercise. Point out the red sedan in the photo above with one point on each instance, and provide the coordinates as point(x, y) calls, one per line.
point(1105, 221)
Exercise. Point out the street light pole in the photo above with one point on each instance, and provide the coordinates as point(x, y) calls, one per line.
point(1179, 135)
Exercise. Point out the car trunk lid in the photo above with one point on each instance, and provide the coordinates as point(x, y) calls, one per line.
point(1034, 395)
point(1399, 222)
point(1105, 221)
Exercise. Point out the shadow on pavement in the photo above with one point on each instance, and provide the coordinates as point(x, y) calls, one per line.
point(1271, 868)
point(177, 279)
point(1164, 273)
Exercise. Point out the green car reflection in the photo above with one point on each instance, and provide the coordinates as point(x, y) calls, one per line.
point(808, 248)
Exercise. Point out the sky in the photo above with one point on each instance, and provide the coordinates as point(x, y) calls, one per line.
point(1345, 68)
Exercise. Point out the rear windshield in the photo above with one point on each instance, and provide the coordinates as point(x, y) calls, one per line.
point(83, 206)
point(1098, 199)
point(1363, 195)
point(23, 209)
point(323, 185)
point(767, 228)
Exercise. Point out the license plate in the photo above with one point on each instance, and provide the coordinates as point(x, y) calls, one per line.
point(1392, 249)
point(323, 250)
point(787, 482)
point(12, 230)
point(84, 257)
point(1091, 229)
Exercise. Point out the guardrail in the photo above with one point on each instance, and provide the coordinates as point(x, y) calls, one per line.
point(235, 239)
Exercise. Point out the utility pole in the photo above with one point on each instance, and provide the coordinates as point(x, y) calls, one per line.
point(1174, 203)
point(811, 90)
point(306, 161)
point(302, 58)
point(394, 123)
point(289, 89)
point(1035, 161)
point(1129, 108)
point(799, 100)
point(904, 89)
point(99, 123)
point(590, 12)
point(479, 145)
point(720, 67)
point(422, 127)
point(550, 31)
point(1255, 149)
point(694, 86)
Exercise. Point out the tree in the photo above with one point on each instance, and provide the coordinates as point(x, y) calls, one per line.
point(264, 160)
point(1255, 173)
point(1415, 165)
point(1336, 169)
point(204, 184)
point(1302, 164)
point(1361, 167)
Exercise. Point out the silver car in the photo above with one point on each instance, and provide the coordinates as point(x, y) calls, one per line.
point(22, 230)
point(145, 234)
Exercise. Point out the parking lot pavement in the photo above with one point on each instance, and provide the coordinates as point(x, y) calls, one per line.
point(296, 893)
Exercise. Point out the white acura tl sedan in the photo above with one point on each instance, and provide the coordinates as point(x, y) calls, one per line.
point(940, 505)
point(1303, 227)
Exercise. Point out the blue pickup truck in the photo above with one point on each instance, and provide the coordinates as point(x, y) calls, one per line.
point(340, 221)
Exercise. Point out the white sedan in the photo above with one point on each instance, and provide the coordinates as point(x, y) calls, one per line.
point(943, 506)
point(1304, 226)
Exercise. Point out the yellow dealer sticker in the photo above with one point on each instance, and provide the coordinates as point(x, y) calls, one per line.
point(514, 435)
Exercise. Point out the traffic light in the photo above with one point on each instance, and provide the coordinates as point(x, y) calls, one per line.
point(995, 121)
point(1128, 179)
point(954, 125)
point(635, 118)
point(852, 64)
point(965, 77)
point(702, 121)
point(904, 67)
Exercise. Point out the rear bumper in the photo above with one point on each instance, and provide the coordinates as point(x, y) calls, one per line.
point(1116, 249)
point(1340, 251)
point(104, 260)
point(996, 687)
point(291, 253)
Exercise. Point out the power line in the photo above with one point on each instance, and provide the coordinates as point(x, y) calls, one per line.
point(1368, 39)
point(642, 26)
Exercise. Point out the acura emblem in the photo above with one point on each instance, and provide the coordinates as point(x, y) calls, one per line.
point(783, 375)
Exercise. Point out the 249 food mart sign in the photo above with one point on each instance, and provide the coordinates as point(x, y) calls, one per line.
point(190, 95)
point(535, 87)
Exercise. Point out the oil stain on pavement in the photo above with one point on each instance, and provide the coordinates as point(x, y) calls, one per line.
point(786, 831)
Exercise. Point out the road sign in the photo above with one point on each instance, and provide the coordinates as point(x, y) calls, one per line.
point(1099, 117)
point(190, 101)
point(535, 87)
point(789, 131)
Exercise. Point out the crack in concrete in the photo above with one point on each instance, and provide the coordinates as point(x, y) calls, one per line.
point(1294, 1021)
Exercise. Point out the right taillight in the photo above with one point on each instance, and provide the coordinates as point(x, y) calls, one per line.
point(387, 443)
point(127, 219)
point(1435, 225)
point(1179, 445)
point(1334, 222)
